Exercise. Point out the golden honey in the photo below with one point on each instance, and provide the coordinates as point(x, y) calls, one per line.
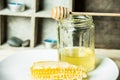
point(53, 70)
point(79, 56)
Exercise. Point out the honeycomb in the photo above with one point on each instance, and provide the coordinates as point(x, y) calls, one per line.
point(53, 70)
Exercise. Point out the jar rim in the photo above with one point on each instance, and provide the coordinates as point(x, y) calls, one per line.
point(78, 20)
point(79, 17)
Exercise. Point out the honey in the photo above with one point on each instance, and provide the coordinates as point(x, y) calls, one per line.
point(53, 70)
point(79, 56)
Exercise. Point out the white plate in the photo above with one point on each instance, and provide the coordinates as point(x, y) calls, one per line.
point(17, 66)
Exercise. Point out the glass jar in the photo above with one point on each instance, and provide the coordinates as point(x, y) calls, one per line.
point(76, 41)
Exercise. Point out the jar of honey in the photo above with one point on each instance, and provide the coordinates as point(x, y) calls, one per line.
point(76, 41)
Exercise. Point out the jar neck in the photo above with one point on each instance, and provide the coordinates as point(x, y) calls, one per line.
point(77, 20)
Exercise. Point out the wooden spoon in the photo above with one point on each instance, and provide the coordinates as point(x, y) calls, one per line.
point(60, 13)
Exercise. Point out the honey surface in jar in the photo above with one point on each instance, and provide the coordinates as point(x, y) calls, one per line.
point(79, 56)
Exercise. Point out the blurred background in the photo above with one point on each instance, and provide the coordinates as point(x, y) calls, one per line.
point(107, 28)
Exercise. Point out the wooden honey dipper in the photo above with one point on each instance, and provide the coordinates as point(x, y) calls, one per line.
point(60, 13)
